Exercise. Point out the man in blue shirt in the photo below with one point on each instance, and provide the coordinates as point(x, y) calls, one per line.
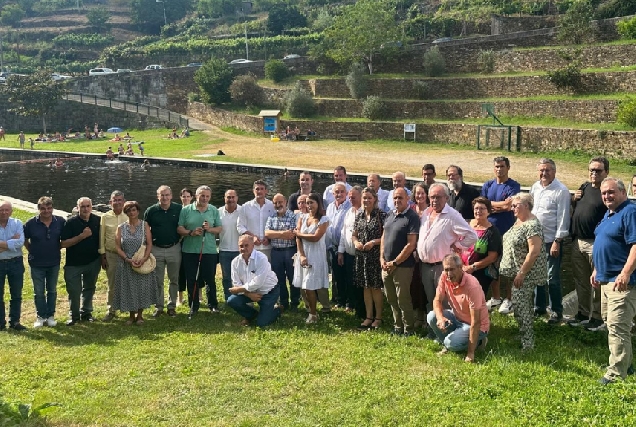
point(614, 256)
point(42, 237)
point(11, 265)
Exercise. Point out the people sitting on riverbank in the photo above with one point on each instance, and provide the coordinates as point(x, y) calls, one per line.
point(127, 136)
point(117, 138)
point(185, 132)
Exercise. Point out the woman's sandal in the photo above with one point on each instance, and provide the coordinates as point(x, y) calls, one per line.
point(366, 327)
point(378, 326)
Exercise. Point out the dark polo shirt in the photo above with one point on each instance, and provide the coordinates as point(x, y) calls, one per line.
point(397, 227)
point(87, 250)
point(44, 242)
point(462, 202)
point(163, 224)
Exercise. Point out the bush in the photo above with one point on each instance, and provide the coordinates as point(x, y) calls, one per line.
point(194, 97)
point(373, 108)
point(627, 112)
point(434, 63)
point(214, 79)
point(357, 81)
point(246, 91)
point(299, 103)
point(627, 28)
point(574, 25)
point(486, 60)
point(566, 77)
point(276, 70)
point(421, 89)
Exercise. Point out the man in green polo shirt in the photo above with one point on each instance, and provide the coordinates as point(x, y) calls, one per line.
point(198, 225)
point(163, 219)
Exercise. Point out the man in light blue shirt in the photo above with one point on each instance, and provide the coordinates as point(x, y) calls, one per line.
point(11, 265)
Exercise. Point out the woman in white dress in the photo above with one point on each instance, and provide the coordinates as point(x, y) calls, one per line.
point(312, 251)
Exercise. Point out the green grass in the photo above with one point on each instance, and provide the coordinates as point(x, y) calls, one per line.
point(210, 371)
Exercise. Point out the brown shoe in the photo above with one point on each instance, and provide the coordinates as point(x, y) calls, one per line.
point(158, 312)
point(172, 312)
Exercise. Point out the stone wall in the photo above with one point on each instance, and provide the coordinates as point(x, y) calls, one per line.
point(218, 117)
point(513, 24)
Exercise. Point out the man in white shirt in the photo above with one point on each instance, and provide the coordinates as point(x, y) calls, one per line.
point(253, 217)
point(399, 181)
point(228, 239)
point(253, 281)
point(374, 181)
point(353, 295)
point(552, 209)
point(336, 212)
point(339, 175)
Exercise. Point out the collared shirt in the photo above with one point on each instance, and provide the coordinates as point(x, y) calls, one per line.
point(191, 218)
point(615, 236)
point(253, 218)
point(87, 250)
point(328, 196)
point(461, 299)
point(108, 229)
point(390, 204)
point(336, 215)
point(13, 227)
point(288, 221)
point(437, 237)
point(397, 228)
point(228, 239)
point(552, 208)
point(256, 275)
point(383, 199)
point(498, 193)
point(163, 223)
point(44, 242)
point(462, 202)
point(346, 237)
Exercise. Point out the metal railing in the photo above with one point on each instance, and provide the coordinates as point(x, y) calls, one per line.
point(133, 107)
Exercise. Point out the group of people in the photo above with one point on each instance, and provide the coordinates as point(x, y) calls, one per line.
point(434, 251)
point(128, 151)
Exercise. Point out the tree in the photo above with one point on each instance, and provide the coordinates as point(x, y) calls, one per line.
point(574, 25)
point(218, 8)
point(33, 95)
point(214, 79)
point(283, 17)
point(98, 17)
point(149, 13)
point(361, 30)
point(11, 14)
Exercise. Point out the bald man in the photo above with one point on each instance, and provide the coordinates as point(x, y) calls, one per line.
point(399, 181)
point(11, 266)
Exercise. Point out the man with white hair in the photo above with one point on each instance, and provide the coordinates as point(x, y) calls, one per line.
point(336, 212)
point(11, 266)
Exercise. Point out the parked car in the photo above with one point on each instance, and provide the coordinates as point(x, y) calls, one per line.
point(292, 56)
point(99, 71)
point(194, 64)
point(240, 61)
point(124, 70)
point(58, 76)
point(154, 67)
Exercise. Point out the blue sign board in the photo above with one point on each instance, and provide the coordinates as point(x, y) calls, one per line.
point(270, 124)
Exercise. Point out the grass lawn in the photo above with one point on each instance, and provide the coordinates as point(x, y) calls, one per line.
point(210, 371)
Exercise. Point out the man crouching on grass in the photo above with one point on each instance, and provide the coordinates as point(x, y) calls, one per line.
point(253, 281)
point(466, 325)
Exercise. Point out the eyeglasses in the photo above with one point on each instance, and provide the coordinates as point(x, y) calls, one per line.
point(515, 205)
point(597, 171)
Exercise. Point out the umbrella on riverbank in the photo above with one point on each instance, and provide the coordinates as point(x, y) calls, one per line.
point(115, 130)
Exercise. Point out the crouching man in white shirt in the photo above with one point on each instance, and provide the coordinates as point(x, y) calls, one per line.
point(253, 281)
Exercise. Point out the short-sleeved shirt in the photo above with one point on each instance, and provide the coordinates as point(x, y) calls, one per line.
point(289, 221)
point(462, 202)
point(516, 248)
point(397, 227)
point(461, 299)
point(191, 218)
point(615, 235)
point(44, 242)
point(488, 240)
point(87, 250)
point(498, 193)
point(163, 223)
point(587, 212)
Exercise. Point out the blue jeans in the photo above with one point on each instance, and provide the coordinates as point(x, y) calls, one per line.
point(266, 314)
point(13, 271)
point(225, 259)
point(554, 284)
point(283, 266)
point(80, 284)
point(457, 334)
point(45, 280)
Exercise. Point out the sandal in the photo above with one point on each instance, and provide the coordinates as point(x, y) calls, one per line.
point(378, 325)
point(312, 318)
point(367, 326)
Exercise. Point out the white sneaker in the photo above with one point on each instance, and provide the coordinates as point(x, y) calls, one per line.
point(51, 322)
point(506, 307)
point(39, 322)
point(493, 302)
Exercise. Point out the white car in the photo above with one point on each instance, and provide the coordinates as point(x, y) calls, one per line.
point(240, 61)
point(292, 56)
point(154, 67)
point(57, 77)
point(99, 71)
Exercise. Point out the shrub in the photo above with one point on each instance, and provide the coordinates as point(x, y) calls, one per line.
point(357, 81)
point(246, 91)
point(627, 28)
point(276, 70)
point(214, 79)
point(421, 89)
point(373, 108)
point(486, 60)
point(627, 112)
point(194, 97)
point(299, 103)
point(434, 62)
point(98, 17)
point(566, 77)
point(574, 25)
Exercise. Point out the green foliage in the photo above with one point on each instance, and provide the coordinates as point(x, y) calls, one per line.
point(27, 6)
point(434, 62)
point(574, 25)
point(627, 112)
point(568, 77)
point(373, 108)
point(82, 40)
point(245, 91)
point(276, 70)
point(421, 89)
point(44, 6)
point(98, 17)
point(627, 28)
point(486, 61)
point(283, 17)
point(214, 79)
point(613, 8)
point(322, 21)
point(11, 15)
point(357, 81)
point(149, 13)
point(299, 103)
point(218, 8)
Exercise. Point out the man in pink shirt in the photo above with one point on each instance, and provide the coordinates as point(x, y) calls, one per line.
point(465, 326)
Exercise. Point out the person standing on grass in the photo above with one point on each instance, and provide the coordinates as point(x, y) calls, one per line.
point(253, 216)
point(461, 195)
point(336, 212)
point(306, 183)
point(186, 196)
point(109, 223)
point(500, 191)
point(11, 266)
point(552, 209)
point(339, 175)
point(42, 241)
point(374, 181)
point(353, 295)
point(465, 326)
point(21, 139)
point(253, 281)
point(614, 256)
point(399, 181)
point(80, 237)
point(228, 238)
point(163, 220)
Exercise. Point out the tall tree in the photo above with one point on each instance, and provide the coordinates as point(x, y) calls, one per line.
point(360, 32)
point(214, 79)
point(149, 13)
point(283, 17)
